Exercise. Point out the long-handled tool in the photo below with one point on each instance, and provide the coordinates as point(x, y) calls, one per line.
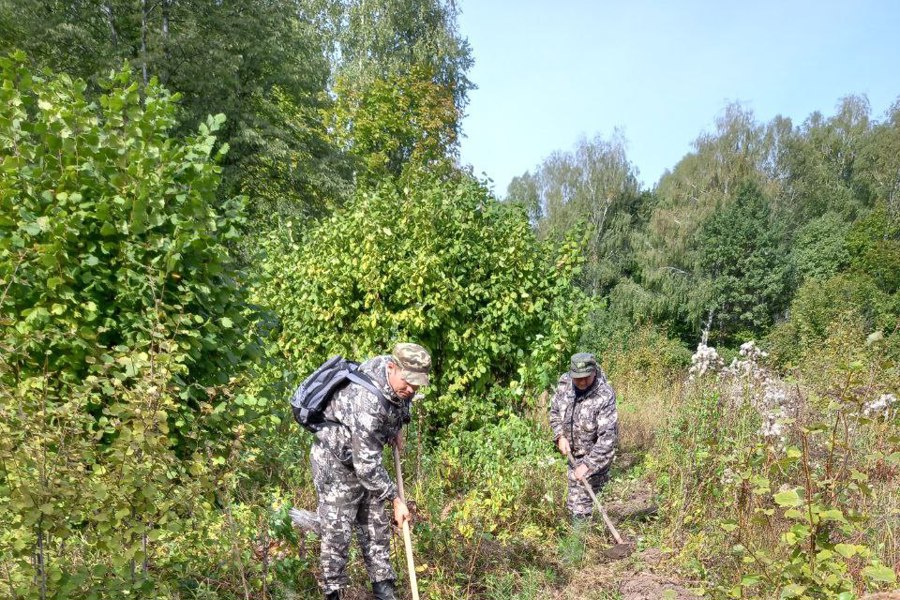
point(407, 539)
point(609, 524)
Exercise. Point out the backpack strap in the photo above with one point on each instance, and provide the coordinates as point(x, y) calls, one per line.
point(363, 380)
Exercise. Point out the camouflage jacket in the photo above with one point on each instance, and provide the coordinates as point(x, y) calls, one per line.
point(590, 423)
point(360, 424)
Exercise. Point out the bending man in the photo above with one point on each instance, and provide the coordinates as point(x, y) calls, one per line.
point(350, 479)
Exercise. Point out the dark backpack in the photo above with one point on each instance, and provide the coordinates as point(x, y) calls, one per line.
point(311, 397)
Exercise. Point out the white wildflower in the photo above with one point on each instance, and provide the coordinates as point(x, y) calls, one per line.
point(751, 352)
point(773, 427)
point(705, 360)
point(748, 366)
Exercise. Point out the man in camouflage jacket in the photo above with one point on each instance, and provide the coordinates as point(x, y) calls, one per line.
point(585, 425)
point(350, 479)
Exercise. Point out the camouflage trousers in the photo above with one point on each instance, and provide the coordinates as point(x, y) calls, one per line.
point(345, 505)
point(579, 501)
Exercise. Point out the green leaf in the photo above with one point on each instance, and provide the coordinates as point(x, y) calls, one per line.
point(761, 485)
point(824, 555)
point(880, 573)
point(789, 498)
point(793, 590)
point(832, 515)
point(845, 550)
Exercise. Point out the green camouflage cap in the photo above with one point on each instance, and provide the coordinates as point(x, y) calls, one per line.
point(583, 364)
point(414, 362)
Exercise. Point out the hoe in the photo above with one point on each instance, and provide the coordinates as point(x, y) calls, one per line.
point(622, 548)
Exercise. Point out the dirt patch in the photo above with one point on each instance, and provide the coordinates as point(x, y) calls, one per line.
point(646, 586)
point(357, 594)
point(597, 581)
point(626, 461)
point(651, 556)
point(639, 505)
point(625, 580)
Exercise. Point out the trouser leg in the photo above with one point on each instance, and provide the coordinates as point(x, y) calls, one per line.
point(579, 501)
point(340, 495)
point(374, 533)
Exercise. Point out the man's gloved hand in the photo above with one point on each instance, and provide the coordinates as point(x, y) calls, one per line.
point(401, 512)
point(563, 445)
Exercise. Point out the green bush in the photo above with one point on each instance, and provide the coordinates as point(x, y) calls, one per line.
point(442, 264)
point(110, 232)
point(488, 515)
point(122, 322)
point(642, 351)
point(874, 244)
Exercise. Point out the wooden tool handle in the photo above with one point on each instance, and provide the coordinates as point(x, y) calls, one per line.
point(606, 519)
point(407, 536)
point(603, 515)
point(410, 565)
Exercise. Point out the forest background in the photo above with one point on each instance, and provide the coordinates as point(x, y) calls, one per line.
point(201, 200)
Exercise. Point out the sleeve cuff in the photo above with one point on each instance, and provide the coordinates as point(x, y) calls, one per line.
point(392, 492)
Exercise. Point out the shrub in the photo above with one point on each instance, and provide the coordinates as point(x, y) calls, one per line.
point(442, 264)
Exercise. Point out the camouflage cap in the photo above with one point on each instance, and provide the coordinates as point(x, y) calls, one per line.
point(414, 362)
point(582, 364)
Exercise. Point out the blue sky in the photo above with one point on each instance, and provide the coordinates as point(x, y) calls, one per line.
point(551, 72)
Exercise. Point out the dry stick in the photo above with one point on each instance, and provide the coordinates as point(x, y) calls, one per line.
point(12, 589)
point(235, 550)
point(407, 540)
point(42, 566)
point(265, 558)
point(419, 426)
point(472, 565)
point(813, 529)
point(609, 524)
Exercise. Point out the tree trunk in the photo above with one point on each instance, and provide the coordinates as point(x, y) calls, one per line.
point(110, 21)
point(144, 41)
point(40, 561)
point(164, 76)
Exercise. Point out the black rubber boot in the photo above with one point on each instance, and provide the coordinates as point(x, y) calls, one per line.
point(384, 590)
point(335, 595)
